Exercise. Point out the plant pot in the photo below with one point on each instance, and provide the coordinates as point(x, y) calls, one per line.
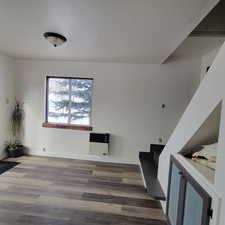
point(16, 152)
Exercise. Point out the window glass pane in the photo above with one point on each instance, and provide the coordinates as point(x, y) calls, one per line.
point(193, 207)
point(81, 93)
point(174, 195)
point(58, 100)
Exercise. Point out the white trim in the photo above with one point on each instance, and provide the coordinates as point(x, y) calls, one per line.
point(86, 157)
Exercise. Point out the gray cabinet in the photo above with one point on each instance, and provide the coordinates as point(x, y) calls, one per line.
point(188, 203)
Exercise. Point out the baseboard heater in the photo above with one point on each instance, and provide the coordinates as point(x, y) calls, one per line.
point(99, 143)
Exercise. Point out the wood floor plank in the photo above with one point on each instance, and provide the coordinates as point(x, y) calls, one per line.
point(95, 218)
point(28, 181)
point(147, 203)
point(37, 220)
point(134, 211)
point(135, 181)
point(4, 186)
point(79, 204)
point(17, 198)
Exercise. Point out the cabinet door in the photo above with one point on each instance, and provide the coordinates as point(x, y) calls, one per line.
point(173, 194)
point(193, 207)
point(197, 203)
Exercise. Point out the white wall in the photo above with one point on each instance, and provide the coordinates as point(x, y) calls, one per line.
point(127, 102)
point(207, 60)
point(6, 98)
point(209, 94)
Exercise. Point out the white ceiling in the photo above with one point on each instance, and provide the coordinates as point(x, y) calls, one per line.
point(135, 31)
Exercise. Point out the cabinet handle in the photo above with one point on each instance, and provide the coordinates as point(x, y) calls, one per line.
point(181, 174)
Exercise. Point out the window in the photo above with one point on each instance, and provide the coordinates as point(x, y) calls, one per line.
point(68, 102)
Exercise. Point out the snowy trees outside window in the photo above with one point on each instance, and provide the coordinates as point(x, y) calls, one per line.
point(69, 100)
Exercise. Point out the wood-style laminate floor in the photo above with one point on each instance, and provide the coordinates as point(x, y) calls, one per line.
point(52, 191)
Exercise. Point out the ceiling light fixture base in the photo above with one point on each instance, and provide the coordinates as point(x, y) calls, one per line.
point(54, 38)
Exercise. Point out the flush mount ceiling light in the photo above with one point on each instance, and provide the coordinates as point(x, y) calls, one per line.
point(54, 38)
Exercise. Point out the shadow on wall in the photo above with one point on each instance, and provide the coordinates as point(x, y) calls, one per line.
point(207, 134)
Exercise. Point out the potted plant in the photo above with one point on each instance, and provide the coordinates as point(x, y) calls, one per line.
point(14, 148)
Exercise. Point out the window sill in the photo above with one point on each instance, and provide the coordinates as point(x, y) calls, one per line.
point(66, 126)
